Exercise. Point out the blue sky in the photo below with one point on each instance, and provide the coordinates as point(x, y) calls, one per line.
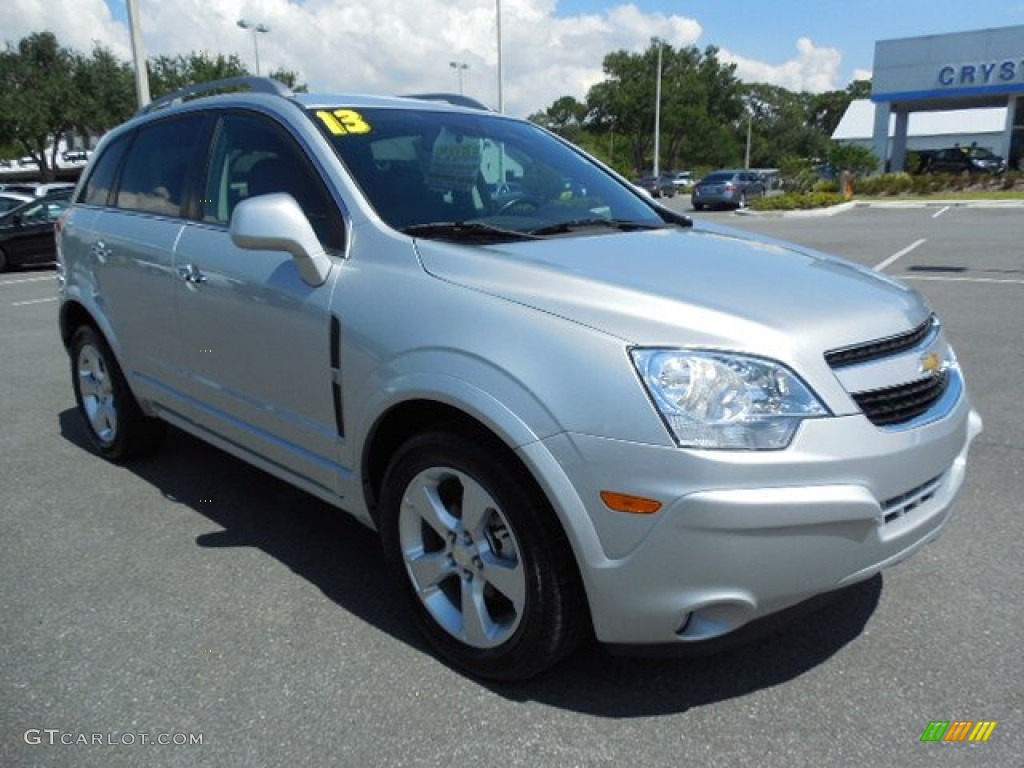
point(551, 47)
point(767, 29)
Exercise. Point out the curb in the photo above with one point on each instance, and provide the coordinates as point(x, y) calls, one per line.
point(843, 207)
point(939, 203)
point(810, 213)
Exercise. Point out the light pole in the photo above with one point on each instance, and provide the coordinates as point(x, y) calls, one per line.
point(750, 123)
point(139, 55)
point(657, 113)
point(257, 30)
point(497, 16)
point(459, 68)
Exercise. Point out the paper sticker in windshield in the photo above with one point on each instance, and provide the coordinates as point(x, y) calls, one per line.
point(454, 162)
point(341, 122)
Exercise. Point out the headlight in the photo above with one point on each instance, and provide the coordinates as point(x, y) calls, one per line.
point(726, 401)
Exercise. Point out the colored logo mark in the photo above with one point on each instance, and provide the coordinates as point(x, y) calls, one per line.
point(958, 730)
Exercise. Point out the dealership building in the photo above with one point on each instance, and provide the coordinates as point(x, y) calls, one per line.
point(980, 70)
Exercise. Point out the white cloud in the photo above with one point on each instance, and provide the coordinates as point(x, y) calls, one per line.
point(814, 69)
point(405, 46)
point(77, 24)
point(862, 74)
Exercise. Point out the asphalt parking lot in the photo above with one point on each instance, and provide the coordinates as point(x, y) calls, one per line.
point(189, 597)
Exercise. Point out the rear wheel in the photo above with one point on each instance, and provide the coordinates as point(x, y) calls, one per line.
point(3, 261)
point(116, 425)
point(481, 557)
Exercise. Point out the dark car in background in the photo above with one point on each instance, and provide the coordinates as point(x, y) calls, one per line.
point(657, 186)
point(733, 188)
point(960, 160)
point(27, 231)
point(9, 200)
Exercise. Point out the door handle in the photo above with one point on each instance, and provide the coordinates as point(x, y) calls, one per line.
point(190, 273)
point(100, 251)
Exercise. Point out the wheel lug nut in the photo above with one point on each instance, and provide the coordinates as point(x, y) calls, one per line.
point(467, 575)
point(478, 563)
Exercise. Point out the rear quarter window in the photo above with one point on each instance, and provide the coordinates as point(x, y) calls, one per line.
point(100, 183)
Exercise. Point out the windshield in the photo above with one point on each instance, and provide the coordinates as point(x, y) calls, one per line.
point(420, 167)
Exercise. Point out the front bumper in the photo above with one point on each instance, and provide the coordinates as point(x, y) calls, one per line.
point(745, 534)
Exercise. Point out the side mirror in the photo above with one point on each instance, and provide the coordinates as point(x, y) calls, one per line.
point(276, 223)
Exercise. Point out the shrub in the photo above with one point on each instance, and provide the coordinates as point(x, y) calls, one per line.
point(797, 201)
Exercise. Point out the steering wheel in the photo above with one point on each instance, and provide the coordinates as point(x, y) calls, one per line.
point(517, 201)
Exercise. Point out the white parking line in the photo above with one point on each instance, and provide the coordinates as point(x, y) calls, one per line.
point(940, 212)
point(27, 280)
point(34, 301)
point(898, 255)
point(934, 279)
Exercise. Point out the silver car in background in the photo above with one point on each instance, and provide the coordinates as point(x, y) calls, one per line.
point(569, 412)
point(729, 188)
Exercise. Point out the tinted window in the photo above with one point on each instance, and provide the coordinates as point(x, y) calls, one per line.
point(104, 171)
point(253, 156)
point(421, 167)
point(154, 172)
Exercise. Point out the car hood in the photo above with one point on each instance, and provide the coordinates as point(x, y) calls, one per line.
point(693, 287)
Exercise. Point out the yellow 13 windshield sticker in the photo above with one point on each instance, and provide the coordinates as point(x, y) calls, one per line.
point(343, 121)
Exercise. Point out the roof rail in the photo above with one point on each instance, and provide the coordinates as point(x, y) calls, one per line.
point(450, 98)
point(254, 84)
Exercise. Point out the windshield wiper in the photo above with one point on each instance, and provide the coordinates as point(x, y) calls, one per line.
point(465, 230)
point(572, 225)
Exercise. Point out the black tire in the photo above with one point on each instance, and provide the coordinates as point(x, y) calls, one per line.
point(512, 549)
point(3, 261)
point(116, 426)
point(698, 207)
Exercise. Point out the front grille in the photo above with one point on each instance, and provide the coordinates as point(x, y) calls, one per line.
point(902, 403)
point(875, 350)
point(905, 503)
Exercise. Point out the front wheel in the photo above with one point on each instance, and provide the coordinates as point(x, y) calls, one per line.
point(481, 556)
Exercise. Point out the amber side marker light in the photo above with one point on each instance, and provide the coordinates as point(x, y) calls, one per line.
point(634, 505)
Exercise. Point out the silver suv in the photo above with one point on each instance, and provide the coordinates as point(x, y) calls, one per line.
point(569, 412)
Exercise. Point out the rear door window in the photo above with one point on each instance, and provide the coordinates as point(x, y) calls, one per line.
point(153, 180)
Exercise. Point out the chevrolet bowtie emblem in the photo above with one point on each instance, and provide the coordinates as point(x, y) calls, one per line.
point(930, 363)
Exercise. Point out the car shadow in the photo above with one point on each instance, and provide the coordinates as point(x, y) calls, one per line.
point(343, 560)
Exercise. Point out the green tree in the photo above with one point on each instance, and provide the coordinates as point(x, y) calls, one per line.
point(564, 117)
point(700, 105)
point(828, 108)
point(850, 157)
point(171, 73)
point(38, 97)
point(105, 91)
point(780, 125)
